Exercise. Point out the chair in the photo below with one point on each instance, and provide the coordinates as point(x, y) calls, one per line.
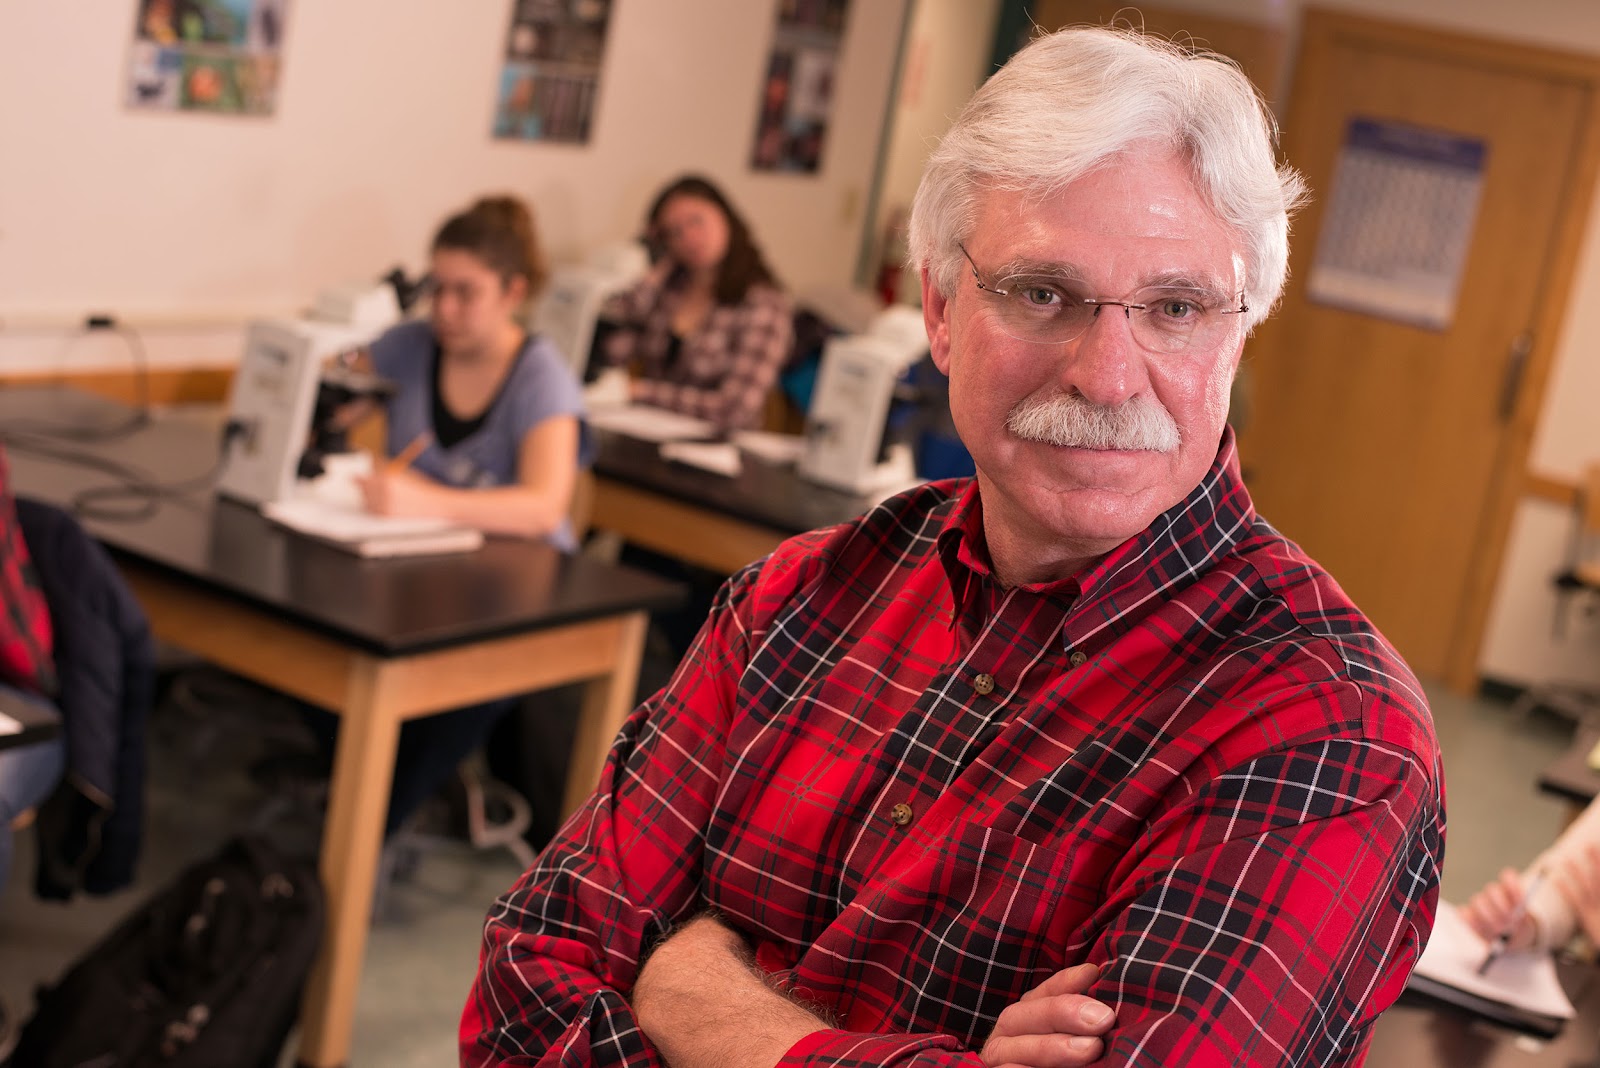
point(1578, 579)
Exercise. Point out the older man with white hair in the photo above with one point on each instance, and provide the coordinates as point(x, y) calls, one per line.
point(1075, 760)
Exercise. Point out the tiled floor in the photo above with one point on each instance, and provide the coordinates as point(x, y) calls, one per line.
point(421, 956)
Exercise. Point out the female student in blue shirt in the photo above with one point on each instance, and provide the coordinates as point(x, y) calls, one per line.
point(499, 417)
point(497, 407)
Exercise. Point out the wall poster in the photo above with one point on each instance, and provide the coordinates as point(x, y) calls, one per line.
point(207, 55)
point(1399, 222)
point(551, 77)
point(798, 92)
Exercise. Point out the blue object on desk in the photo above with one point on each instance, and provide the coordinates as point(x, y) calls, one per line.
point(939, 451)
point(941, 455)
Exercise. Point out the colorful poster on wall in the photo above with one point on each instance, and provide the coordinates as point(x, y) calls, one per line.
point(207, 55)
point(1400, 218)
point(551, 78)
point(798, 93)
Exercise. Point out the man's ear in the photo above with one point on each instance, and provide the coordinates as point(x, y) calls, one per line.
point(936, 317)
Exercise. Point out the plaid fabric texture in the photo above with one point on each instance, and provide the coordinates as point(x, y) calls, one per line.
point(723, 371)
point(25, 636)
point(1196, 764)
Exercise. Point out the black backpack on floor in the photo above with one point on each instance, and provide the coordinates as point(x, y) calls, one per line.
point(206, 974)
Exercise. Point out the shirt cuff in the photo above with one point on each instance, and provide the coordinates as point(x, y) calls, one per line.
point(836, 1047)
point(1554, 920)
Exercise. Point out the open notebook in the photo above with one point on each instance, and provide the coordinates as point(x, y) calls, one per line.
point(365, 534)
point(1520, 989)
point(329, 509)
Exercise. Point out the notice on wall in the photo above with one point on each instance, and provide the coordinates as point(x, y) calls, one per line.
point(207, 55)
point(551, 78)
point(797, 95)
point(1399, 223)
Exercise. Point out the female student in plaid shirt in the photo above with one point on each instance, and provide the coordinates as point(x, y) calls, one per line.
point(708, 328)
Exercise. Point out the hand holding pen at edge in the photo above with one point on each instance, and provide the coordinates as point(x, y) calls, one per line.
point(1508, 928)
point(394, 489)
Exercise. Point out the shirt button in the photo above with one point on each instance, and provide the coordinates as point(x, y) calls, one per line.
point(983, 684)
point(900, 814)
point(1078, 657)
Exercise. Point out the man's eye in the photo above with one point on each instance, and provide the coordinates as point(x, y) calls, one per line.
point(1179, 308)
point(1037, 296)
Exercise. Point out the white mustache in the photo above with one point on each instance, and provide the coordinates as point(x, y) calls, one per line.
point(1066, 419)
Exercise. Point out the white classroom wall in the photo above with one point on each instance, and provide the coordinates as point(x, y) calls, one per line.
point(190, 223)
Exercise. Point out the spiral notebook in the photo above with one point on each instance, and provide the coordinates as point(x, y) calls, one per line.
point(1519, 989)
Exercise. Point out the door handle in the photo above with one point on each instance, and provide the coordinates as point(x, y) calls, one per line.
point(1516, 365)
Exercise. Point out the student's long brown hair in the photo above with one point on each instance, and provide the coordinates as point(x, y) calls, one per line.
point(743, 265)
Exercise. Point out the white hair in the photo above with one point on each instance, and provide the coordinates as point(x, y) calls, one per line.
point(1075, 100)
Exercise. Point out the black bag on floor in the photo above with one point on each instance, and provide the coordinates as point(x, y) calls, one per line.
point(206, 974)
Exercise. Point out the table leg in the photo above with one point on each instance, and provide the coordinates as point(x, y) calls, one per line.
point(607, 700)
point(352, 838)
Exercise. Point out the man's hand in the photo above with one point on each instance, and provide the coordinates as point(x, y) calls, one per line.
point(1053, 1026)
point(1491, 910)
point(702, 1003)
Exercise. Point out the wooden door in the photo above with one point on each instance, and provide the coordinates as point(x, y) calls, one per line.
point(1257, 47)
point(1395, 453)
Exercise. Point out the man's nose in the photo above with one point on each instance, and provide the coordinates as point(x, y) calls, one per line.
point(1105, 365)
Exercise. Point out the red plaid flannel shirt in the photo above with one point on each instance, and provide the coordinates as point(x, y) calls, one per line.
point(25, 636)
point(1196, 765)
point(723, 371)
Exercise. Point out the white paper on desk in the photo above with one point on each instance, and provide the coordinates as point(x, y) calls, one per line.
point(340, 522)
point(9, 725)
point(771, 447)
point(1525, 981)
point(649, 424)
point(720, 458)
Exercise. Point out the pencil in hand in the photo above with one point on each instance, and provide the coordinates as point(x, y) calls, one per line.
point(408, 455)
point(1503, 939)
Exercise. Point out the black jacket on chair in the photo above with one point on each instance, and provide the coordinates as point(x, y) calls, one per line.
point(89, 829)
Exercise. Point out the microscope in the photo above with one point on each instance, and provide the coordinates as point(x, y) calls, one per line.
point(284, 402)
point(862, 417)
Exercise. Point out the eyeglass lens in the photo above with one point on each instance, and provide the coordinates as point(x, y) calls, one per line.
point(1161, 320)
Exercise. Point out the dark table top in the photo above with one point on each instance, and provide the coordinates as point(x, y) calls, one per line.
point(770, 495)
point(1569, 775)
point(388, 606)
point(1421, 1032)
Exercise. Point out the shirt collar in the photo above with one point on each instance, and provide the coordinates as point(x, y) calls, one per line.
point(1182, 542)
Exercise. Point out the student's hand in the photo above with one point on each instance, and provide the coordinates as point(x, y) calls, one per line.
point(390, 492)
point(1053, 1026)
point(1489, 911)
point(1577, 879)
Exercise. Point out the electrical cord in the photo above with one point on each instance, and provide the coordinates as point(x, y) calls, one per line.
point(136, 420)
point(136, 496)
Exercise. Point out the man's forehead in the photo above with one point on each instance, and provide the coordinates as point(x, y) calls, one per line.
point(1143, 216)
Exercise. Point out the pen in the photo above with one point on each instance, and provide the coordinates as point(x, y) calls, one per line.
point(1503, 939)
point(408, 454)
